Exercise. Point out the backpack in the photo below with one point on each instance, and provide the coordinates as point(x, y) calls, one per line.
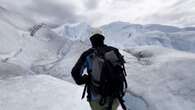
point(108, 75)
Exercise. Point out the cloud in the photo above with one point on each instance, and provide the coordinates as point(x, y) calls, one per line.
point(170, 12)
point(181, 13)
point(52, 12)
point(91, 4)
point(100, 12)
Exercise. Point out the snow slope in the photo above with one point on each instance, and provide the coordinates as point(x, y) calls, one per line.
point(9, 38)
point(8, 70)
point(40, 92)
point(161, 78)
point(16, 19)
point(18, 47)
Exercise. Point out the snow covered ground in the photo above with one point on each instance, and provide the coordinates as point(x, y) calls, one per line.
point(160, 64)
point(40, 92)
point(163, 79)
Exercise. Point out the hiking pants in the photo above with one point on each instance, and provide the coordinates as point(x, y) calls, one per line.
point(96, 106)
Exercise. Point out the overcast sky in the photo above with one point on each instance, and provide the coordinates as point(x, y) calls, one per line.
point(100, 12)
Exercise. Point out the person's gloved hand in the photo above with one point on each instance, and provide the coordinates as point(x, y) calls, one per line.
point(85, 78)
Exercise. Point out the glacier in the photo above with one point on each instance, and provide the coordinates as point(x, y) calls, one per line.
point(35, 69)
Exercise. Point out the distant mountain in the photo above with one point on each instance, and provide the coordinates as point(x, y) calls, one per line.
point(123, 35)
point(189, 29)
point(162, 28)
point(77, 31)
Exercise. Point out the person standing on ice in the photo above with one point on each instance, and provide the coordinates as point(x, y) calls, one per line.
point(105, 80)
